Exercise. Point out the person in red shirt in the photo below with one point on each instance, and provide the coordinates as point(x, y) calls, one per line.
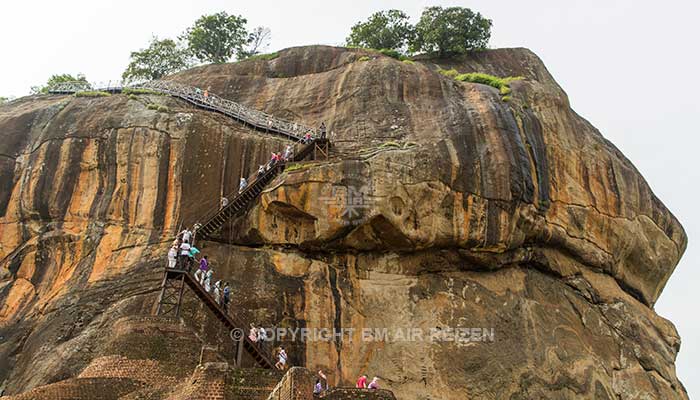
point(362, 382)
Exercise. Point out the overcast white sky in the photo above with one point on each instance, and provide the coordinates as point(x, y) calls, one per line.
point(629, 66)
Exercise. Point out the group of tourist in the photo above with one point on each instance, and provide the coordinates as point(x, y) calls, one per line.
point(362, 383)
point(274, 159)
point(222, 294)
point(258, 335)
point(322, 380)
point(280, 157)
point(182, 253)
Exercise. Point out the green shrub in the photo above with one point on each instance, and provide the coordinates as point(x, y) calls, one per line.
point(502, 84)
point(267, 57)
point(292, 167)
point(411, 62)
point(133, 97)
point(92, 93)
point(450, 73)
point(505, 98)
point(392, 53)
point(298, 167)
point(363, 58)
point(140, 91)
point(158, 107)
point(484, 79)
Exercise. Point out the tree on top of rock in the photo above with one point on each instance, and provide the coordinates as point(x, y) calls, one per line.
point(382, 30)
point(59, 78)
point(451, 30)
point(258, 41)
point(162, 57)
point(216, 38)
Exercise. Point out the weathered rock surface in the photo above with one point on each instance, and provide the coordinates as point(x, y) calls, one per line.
point(442, 207)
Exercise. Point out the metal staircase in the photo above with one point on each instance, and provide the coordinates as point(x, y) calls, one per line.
point(242, 200)
point(175, 280)
point(170, 302)
point(256, 119)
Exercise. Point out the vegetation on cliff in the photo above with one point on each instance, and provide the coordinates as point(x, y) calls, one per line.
point(160, 58)
point(219, 37)
point(389, 30)
point(215, 38)
point(451, 234)
point(440, 31)
point(58, 78)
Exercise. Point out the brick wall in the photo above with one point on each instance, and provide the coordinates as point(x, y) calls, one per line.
point(146, 371)
point(168, 341)
point(297, 384)
point(81, 389)
point(251, 383)
point(158, 358)
point(207, 382)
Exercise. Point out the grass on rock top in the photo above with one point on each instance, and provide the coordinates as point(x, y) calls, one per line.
point(502, 84)
point(267, 57)
point(92, 93)
point(140, 91)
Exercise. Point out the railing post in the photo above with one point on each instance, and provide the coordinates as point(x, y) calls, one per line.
point(239, 351)
point(179, 298)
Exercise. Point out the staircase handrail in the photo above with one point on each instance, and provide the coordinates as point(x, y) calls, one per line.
point(260, 119)
point(213, 213)
point(270, 168)
point(236, 110)
point(236, 321)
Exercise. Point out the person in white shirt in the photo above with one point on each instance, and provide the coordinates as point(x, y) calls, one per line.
point(207, 280)
point(217, 292)
point(282, 359)
point(186, 235)
point(172, 257)
point(262, 336)
point(185, 254)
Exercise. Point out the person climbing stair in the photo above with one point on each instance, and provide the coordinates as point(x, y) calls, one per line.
point(184, 254)
point(282, 359)
point(227, 296)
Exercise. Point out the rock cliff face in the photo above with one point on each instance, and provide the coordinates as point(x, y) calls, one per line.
point(441, 207)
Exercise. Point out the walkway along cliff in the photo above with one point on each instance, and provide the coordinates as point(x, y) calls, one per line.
point(442, 205)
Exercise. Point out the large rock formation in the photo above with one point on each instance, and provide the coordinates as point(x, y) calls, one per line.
point(442, 207)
